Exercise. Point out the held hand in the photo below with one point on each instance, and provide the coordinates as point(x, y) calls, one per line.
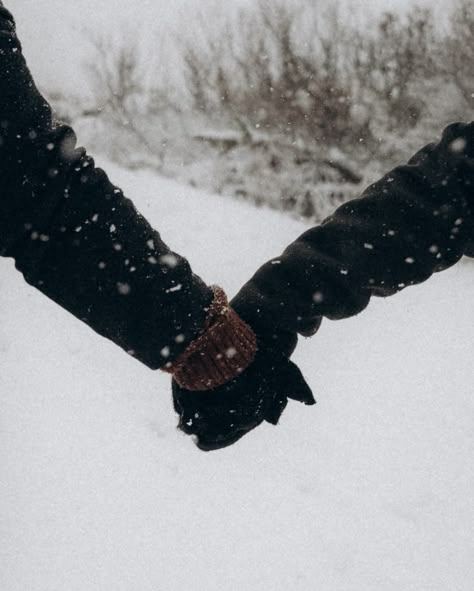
point(235, 375)
point(219, 417)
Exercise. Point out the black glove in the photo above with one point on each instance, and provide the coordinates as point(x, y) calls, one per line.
point(221, 416)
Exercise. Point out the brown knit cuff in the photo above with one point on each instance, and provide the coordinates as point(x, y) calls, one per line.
point(222, 351)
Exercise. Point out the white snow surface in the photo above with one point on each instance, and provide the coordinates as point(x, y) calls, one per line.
point(370, 490)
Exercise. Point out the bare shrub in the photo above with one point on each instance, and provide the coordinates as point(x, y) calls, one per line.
point(140, 110)
point(458, 52)
point(285, 77)
point(266, 91)
point(390, 63)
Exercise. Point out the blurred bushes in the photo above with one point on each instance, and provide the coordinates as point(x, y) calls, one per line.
point(252, 90)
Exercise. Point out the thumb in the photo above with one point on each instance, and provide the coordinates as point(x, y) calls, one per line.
point(295, 385)
point(276, 409)
point(288, 382)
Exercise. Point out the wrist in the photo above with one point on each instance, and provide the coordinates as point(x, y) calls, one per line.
point(224, 349)
point(265, 315)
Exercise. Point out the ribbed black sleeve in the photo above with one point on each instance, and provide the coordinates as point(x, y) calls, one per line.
point(74, 235)
point(416, 220)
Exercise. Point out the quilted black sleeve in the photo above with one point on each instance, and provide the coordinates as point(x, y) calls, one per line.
point(413, 222)
point(77, 238)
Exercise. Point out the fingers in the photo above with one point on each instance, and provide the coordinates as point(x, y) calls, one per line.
point(209, 434)
point(296, 386)
point(204, 443)
point(288, 383)
point(275, 411)
point(217, 419)
point(215, 430)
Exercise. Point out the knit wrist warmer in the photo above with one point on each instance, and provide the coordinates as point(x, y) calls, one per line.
point(224, 349)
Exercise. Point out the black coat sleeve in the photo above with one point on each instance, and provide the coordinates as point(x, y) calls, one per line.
point(74, 235)
point(416, 220)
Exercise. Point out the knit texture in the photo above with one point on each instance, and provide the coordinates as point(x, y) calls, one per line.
point(225, 348)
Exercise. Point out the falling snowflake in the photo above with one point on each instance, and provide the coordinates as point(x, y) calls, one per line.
point(318, 297)
point(458, 145)
point(123, 288)
point(178, 287)
point(170, 260)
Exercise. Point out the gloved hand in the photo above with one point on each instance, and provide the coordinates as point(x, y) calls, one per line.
point(220, 416)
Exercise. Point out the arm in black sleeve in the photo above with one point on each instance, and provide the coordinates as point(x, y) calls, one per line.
point(416, 220)
point(74, 235)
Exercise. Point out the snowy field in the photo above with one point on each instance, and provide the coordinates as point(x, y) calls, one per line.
point(370, 490)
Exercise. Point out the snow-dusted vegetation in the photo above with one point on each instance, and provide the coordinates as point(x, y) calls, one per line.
point(279, 102)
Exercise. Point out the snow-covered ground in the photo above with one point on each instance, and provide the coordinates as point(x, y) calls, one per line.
point(371, 490)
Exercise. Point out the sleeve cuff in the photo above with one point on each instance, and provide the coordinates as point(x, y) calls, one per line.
point(225, 348)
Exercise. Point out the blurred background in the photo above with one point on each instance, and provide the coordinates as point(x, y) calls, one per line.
point(294, 104)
